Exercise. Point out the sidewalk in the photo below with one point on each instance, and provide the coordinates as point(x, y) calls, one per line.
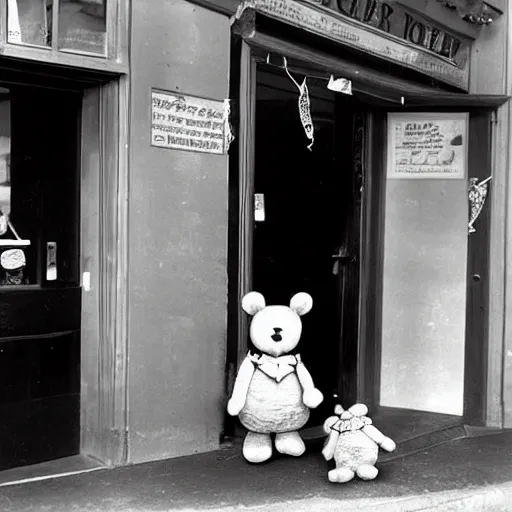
point(461, 475)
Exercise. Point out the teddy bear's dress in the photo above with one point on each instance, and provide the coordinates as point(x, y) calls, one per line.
point(272, 406)
point(354, 449)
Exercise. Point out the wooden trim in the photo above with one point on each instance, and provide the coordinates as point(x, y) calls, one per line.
point(104, 346)
point(112, 17)
point(62, 58)
point(3, 22)
point(55, 25)
point(247, 133)
point(497, 270)
point(477, 298)
point(372, 263)
point(365, 79)
point(122, 43)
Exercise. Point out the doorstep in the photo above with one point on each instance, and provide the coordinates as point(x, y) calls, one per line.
point(65, 466)
point(468, 474)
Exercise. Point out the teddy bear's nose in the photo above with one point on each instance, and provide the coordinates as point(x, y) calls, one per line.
point(276, 336)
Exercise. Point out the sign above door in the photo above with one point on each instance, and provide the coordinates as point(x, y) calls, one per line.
point(386, 30)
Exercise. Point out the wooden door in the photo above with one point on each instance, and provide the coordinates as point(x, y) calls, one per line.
point(40, 296)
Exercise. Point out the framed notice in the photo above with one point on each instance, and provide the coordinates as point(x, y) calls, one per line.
point(179, 121)
point(427, 145)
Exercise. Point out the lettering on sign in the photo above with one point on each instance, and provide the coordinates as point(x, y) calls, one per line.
point(187, 122)
point(386, 30)
point(427, 145)
point(394, 19)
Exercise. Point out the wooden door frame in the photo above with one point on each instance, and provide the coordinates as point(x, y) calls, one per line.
point(104, 216)
point(104, 248)
point(242, 158)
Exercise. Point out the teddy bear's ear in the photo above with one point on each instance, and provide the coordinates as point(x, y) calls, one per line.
point(301, 303)
point(253, 302)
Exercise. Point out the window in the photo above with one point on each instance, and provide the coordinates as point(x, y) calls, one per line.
point(66, 25)
point(38, 187)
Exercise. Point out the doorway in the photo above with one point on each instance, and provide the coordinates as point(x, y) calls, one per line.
point(309, 238)
point(40, 295)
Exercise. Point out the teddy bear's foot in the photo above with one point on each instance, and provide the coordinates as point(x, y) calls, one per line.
point(340, 475)
point(367, 472)
point(257, 447)
point(290, 443)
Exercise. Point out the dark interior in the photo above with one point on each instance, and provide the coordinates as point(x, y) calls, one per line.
point(40, 317)
point(305, 214)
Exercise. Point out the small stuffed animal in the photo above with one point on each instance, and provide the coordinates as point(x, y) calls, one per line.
point(273, 392)
point(354, 443)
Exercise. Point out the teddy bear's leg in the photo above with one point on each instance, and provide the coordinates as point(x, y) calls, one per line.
point(367, 472)
point(257, 447)
point(290, 443)
point(340, 475)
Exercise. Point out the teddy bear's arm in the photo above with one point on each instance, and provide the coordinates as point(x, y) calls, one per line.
point(242, 381)
point(311, 397)
point(376, 435)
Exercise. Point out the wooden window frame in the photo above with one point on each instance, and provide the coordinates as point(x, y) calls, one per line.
point(248, 41)
point(115, 60)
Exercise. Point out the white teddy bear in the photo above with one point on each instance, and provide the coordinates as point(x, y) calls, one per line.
point(354, 443)
point(273, 392)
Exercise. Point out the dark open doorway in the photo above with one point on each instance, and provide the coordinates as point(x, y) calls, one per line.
point(309, 240)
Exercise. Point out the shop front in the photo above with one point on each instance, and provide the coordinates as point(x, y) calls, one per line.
point(161, 159)
point(371, 160)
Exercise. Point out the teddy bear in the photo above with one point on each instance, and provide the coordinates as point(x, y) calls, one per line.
point(354, 443)
point(273, 391)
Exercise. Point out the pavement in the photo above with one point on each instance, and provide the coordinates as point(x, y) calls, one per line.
point(459, 475)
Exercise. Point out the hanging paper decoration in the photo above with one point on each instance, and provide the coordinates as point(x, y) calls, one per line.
point(343, 85)
point(228, 130)
point(477, 195)
point(304, 106)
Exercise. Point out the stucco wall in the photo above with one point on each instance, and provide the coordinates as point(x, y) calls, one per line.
point(178, 241)
point(424, 295)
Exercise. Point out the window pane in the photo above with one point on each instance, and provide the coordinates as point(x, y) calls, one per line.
point(5, 154)
point(82, 25)
point(29, 21)
point(14, 252)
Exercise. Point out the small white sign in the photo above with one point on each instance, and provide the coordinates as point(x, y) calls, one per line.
point(186, 122)
point(259, 207)
point(343, 85)
point(427, 145)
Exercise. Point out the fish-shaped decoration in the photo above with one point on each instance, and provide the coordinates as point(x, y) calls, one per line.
point(304, 106)
point(477, 196)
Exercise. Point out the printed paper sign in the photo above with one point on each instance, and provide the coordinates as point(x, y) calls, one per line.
point(427, 145)
point(186, 122)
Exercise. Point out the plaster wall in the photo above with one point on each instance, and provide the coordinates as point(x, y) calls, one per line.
point(178, 241)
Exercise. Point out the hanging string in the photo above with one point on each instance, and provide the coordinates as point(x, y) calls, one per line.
point(304, 106)
point(326, 79)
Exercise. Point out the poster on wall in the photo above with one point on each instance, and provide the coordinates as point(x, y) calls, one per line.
point(427, 145)
point(179, 121)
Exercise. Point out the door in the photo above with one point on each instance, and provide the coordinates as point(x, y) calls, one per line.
point(40, 296)
point(436, 274)
point(309, 239)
